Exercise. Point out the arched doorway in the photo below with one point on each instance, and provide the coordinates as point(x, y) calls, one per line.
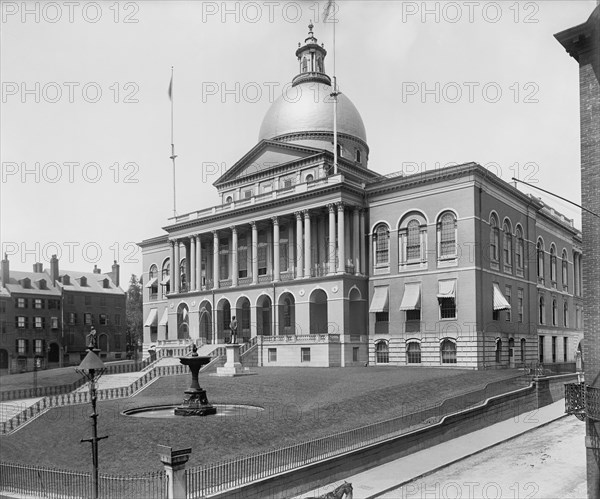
point(264, 315)
point(223, 320)
point(318, 312)
point(242, 315)
point(183, 322)
point(53, 353)
point(287, 314)
point(205, 333)
point(3, 359)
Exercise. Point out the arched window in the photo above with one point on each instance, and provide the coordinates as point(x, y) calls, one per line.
point(447, 236)
point(494, 239)
point(229, 200)
point(566, 314)
point(339, 150)
point(540, 260)
point(498, 350)
point(507, 247)
point(382, 245)
point(541, 310)
point(153, 281)
point(382, 352)
point(358, 155)
point(413, 352)
point(523, 343)
point(310, 177)
point(553, 265)
point(554, 313)
point(565, 271)
point(520, 251)
point(412, 240)
point(182, 275)
point(165, 278)
point(413, 243)
point(448, 351)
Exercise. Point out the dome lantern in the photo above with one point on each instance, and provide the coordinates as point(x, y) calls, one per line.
point(311, 60)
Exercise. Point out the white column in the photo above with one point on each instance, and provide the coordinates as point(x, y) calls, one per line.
point(356, 241)
point(175, 269)
point(307, 244)
point(254, 253)
point(215, 259)
point(341, 239)
point(198, 263)
point(361, 235)
point(234, 244)
point(275, 249)
point(172, 265)
point(331, 249)
point(299, 246)
point(192, 258)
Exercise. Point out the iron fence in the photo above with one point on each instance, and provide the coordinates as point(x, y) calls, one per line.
point(38, 481)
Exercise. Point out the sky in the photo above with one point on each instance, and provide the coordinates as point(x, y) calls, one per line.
point(85, 119)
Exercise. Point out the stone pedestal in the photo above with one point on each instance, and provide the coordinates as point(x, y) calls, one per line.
point(232, 366)
point(174, 462)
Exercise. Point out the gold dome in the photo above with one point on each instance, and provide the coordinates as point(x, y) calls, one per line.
point(308, 107)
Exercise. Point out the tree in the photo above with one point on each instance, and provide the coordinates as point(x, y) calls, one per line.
point(134, 313)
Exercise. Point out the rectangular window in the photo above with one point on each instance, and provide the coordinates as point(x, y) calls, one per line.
point(72, 318)
point(520, 304)
point(508, 296)
point(242, 257)
point(117, 320)
point(496, 315)
point(283, 255)
point(38, 347)
point(305, 354)
point(39, 322)
point(103, 298)
point(262, 253)
point(22, 322)
point(21, 302)
point(22, 347)
point(38, 303)
point(248, 194)
point(541, 349)
point(382, 316)
point(87, 319)
point(71, 299)
point(554, 349)
point(272, 355)
point(103, 319)
point(565, 348)
point(87, 299)
point(355, 351)
point(54, 322)
point(447, 308)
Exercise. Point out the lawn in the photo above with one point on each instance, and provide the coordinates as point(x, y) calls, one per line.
point(48, 377)
point(300, 404)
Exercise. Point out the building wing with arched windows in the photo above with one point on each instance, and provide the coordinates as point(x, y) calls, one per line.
point(337, 265)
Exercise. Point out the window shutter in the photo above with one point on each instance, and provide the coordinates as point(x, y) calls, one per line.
point(26, 322)
point(26, 347)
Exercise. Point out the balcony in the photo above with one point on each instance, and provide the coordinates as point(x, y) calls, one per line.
point(582, 400)
point(303, 338)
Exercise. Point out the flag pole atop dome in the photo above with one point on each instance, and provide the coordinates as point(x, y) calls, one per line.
point(173, 155)
point(331, 8)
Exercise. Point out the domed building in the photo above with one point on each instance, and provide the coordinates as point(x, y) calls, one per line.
point(324, 262)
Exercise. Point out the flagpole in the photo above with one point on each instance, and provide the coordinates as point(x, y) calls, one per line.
point(173, 155)
point(334, 94)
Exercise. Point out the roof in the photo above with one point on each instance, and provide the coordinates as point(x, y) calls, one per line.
point(93, 285)
point(15, 285)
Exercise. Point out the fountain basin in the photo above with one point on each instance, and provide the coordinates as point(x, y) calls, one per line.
point(168, 411)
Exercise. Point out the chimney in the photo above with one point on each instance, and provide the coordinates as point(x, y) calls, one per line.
point(96, 270)
point(38, 268)
point(115, 273)
point(5, 270)
point(54, 269)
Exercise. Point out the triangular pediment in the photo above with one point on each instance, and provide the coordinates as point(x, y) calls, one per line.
point(266, 155)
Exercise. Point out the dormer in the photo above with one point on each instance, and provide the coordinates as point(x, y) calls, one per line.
point(105, 283)
point(42, 284)
point(82, 281)
point(25, 283)
point(66, 280)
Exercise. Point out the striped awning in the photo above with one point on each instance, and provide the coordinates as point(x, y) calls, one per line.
point(500, 302)
point(152, 282)
point(152, 318)
point(447, 289)
point(164, 320)
point(412, 296)
point(380, 300)
point(165, 281)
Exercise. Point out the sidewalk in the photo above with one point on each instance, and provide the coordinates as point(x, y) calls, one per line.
point(385, 478)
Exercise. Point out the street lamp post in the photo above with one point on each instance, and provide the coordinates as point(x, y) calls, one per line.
point(92, 368)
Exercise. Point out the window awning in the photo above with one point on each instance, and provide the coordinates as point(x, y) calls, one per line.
point(152, 318)
point(412, 296)
point(447, 289)
point(379, 303)
point(165, 281)
point(164, 320)
point(152, 282)
point(500, 302)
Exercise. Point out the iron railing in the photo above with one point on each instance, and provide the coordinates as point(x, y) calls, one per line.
point(582, 400)
point(38, 481)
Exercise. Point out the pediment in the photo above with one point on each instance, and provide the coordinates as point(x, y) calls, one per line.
point(264, 156)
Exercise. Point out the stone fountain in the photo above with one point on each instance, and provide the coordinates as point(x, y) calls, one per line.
point(195, 402)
